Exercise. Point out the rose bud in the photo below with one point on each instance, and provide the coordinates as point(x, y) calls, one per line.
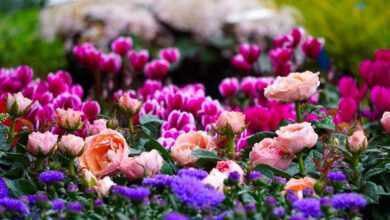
point(146, 164)
point(103, 186)
point(172, 55)
point(121, 45)
point(229, 87)
point(138, 59)
point(97, 126)
point(270, 152)
point(250, 52)
point(157, 69)
point(69, 119)
point(294, 87)
point(128, 104)
point(297, 136)
point(230, 122)
point(385, 121)
point(71, 145)
point(17, 104)
point(89, 179)
point(357, 141)
point(41, 144)
point(215, 179)
point(239, 62)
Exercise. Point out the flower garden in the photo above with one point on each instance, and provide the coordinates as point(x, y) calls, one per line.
point(285, 138)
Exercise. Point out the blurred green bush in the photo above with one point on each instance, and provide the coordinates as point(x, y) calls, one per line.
point(20, 43)
point(352, 29)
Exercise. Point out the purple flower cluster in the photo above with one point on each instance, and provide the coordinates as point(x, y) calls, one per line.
point(175, 216)
point(14, 205)
point(337, 176)
point(137, 194)
point(57, 204)
point(193, 172)
point(3, 188)
point(309, 207)
point(348, 201)
point(74, 207)
point(158, 181)
point(51, 176)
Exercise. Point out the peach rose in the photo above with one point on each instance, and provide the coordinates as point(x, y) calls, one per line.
point(385, 121)
point(188, 142)
point(215, 179)
point(129, 104)
point(103, 186)
point(297, 136)
point(146, 164)
point(69, 119)
point(41, 143)
point(294, 87)
point(298, 185)
point(229, 166)
point(104, 152)
point(97, 126)
point(270, 152)
point(231, 121)
point(17, 104)
point(357, 141)
point(71, 144)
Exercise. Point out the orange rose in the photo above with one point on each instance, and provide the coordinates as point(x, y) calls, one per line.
point(188, 142)
point(298, 185)
point(232, 121)
point(104, 152)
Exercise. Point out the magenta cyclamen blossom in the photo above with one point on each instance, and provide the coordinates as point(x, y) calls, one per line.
point(121, 45)
point(239, 62)
point(281, 60)
point(91, 109)
point(297, 34)
point(312, 47)
point(348, 87)
point(379, 98)
point(110, 63)
point(172, 55)
point(87, 55)
point(250, 52)
point(229, 87)
point(346, 111)
point(24, 74)
point(138, 59)
point(179, 120)
point(157, 69)
point(283, 41)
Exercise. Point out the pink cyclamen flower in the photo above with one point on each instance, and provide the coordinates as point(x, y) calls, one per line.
point(128, 104)
point(122, 45)
point(346, 111)
point(24, 74)
point(229, 87)
point(283, 41)
point(272, 153)
point(149, 88)
point(97, 126)
point(250, 52)
point(230, 121)
point(297, 136)
point(179, 120)
point(382, 54)
point(385, 121)
point(379, 98)
point(41, 143)
point(146, 164)
point(110, 63)
point(138, 59)
point(172, 55)
point(312, 47)
point(71, 145)
point(357, 141)
point(239, 62)
point(157, 69)
point(17, 104)
point(77, 90)
point(69, 119)
point(91, 110)
point(347, 87)
point(297, 34)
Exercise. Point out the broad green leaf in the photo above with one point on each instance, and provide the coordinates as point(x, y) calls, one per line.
point(270, 171)
point(255, 138)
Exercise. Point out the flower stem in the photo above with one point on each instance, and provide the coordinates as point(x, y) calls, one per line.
point(298, 111)
point(301, 164)
point(11, 131)
point(230, 147)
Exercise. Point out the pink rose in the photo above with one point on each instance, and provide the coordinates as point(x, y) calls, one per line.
point(357, 141)
point(146, 164)
point(69, 119)
point(188, 142)
point(17, 104)
point(294, 87)
point(297, 136)
point(231, 121)
point(41, 143)
point(104, 153)
point(270, 152)
point(229, 166)
point(98, 126)
point(298, 185)
point(103, 186)
point(215, 179)
point(128, 104)
point(385, 121)
point(71, 144)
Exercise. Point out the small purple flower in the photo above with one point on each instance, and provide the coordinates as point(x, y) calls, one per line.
point(279, 180)
point(156, 69)
point(250, 52)
point(308, 192)
point(254, 175)
point(57, 204)
point(72, 187)
point(337, 176)
point(158, 181)
point(348, 201)
point(175, 216)
point(278, 212)
point(326, 201)
point(297, 217)
point(74, 207)
point(291, 196)
point(172, 55)
point(3, 188)
point(121, 45)
point(270, 200)
point(329, 189)
point(193, 172)
point(98, 202)
point(309, 207)
point(39, 197)
point(234, 176)
point(51, 176)
point(250, 207)
point(14, 205)
point(137, 194)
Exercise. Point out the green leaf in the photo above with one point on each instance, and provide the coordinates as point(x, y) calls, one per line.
point(326, 124)
point(255, 138)
point(168, 168)
point(150, 124)
point(153, 144)
point(3, 138)
point(373, 191)
point(206, 159)
point(270, 171)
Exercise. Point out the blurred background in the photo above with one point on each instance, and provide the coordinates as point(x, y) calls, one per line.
point(41, 33)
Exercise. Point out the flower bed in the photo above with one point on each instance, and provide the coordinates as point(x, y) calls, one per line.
point(272, 148)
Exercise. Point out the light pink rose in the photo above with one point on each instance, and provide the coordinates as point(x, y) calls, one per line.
point(231, 120)
point(229, 166)
point(17, 104)
point(69, 119)
point(385, 121)
point(71, 144)
point(270, 152)
point(357, 141)
point(146, 164)
point(298, 185)
point(294, 87)
point(129, 104)
point(297, 136)
point(103, 186)
point(42, 143)
point(104, 153)
point(97, 126)
point(186, 143)
point(215, 179)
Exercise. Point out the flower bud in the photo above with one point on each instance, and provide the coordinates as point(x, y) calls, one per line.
point(128, 104)
point(385, 121)
point(229, 87)
point(138, 59)
point(71, 144)
point(121, 45)
point(250, 52)
point(357, 141)
point(69, 119)
point(157, 69)
point(41, 143)
point(230, 121)
point(172, 55)
point(103, 186)
point(312, 47)
point(239, 62)
point(17, 104)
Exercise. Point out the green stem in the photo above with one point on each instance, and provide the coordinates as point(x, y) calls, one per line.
point(71, 167)
point(301, 164)
point(230, 148)
point(11, 131)
point(298, 111)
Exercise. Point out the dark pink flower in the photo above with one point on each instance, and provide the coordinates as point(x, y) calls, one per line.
point(91, 109)
point(239, 62)
point(312, 47)
point(347, 110)
point(172, 55)
point(229, 87)
point(250, 52)
point(138, 59)
point(121, 45)
point(110, 63)
point(157, 69)
point(283, 41)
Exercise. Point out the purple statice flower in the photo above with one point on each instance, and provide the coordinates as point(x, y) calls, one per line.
point(195, 194)
point(326, 201)
point(279, 180)
point(14, 205)
point(39, 197)
point(51, 176)
point(254, 175)
point(98, 202)
point(278, 212)
point(193, 172)
point(137, 194)
point(308, 192)
point(309, 207)
point(175, 216)
point(3, 188)
point(72, 187)
point(158, 181)
point(270, 200)
point(74, 207)
point(348, 201)
point(329, 189)
point(234, 176)
point(57, 204)
point(291, 196)
point(337, 176)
